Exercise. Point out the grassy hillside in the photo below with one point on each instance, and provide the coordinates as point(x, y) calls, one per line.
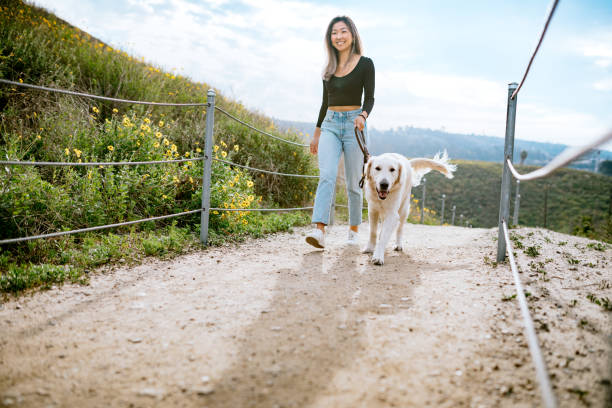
point(38, 48)
point(578, 202)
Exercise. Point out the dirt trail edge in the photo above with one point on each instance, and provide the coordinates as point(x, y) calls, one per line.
point(276, 323)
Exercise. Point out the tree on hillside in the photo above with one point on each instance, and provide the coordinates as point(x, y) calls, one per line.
point(523, 156)
point(605, 167)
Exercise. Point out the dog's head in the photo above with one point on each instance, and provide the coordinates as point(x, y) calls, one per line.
point(383, 173)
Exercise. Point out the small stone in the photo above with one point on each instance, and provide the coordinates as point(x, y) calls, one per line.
point(458, 373)
point(17, 306)
point(405, 299)
point(384, 306)
point(157, 393)
point(205, 379)
point(204, 389)
point(42, 392)
point(135, 340)
point(276, 328)
point(342, 327)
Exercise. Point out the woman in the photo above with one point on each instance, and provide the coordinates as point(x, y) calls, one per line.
point(346, 76)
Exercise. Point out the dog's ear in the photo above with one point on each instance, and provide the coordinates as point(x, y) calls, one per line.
point(366, 171)
point(398, 179)
point(400, 170)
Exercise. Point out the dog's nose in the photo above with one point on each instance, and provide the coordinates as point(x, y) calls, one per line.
point(384, 184)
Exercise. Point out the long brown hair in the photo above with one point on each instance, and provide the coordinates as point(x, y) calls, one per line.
point(332, 53)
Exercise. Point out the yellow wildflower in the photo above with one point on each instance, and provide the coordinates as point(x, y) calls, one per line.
point(67, 151)
point(96, 110)
point(164, 196)
point(186, 154)
point(191, 179)
point(251, 198)
point(77, 152)
point(156, 145)
point(249, 183)
point(158, 135)
point(224, 154)
point(20, 81)
point(173, 147)
point(111, 148)
point(147, 120)
point(166, 142)
point(175, 179)
point(89, 175)
point(161, 123)
point(115, 110)
point(236, 147)
point(38, 137)
point(216, 148)
point(198, 150)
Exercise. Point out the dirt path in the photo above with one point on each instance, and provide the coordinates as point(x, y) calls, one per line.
point(275, 323)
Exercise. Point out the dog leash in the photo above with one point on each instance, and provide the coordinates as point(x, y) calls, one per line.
point(366, 155)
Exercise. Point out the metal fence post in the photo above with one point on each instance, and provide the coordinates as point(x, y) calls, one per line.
point(210, 123)
point(442, 212)
point(460, 219)
point(453, 219)
point(504, 201)
point(517, 201)
point(423, 201)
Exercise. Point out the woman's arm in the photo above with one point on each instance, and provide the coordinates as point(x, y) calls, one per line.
point(314, 143)
point(368, 94)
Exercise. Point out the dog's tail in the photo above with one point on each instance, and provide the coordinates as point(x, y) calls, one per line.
point(422, 166)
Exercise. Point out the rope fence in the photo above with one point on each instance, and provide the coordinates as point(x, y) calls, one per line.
point(206, 158)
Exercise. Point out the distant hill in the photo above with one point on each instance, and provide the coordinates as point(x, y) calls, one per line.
point(411, 141)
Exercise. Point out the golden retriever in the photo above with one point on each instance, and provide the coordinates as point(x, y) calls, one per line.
point(389, 180)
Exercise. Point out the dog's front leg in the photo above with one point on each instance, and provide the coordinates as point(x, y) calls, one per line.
point(388, 226)
point(373, 218)
point(403, 216)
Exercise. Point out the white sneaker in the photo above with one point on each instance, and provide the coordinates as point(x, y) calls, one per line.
point(352, 238)
point(316, 238)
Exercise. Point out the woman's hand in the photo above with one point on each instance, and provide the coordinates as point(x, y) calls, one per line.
point(314, 143)
point(360, 121)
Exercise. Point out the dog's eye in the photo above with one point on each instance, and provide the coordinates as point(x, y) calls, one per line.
point(391, 169)
point(377, 168)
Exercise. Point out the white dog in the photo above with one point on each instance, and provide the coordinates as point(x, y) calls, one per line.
point(389, 180)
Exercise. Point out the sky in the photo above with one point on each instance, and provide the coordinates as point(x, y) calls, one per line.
point(439, 64)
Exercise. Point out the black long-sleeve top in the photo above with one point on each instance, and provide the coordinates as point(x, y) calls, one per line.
point(347, 90)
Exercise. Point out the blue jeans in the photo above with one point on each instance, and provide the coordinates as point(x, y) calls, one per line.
point(337, 136)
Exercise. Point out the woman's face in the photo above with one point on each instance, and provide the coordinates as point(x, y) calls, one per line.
point(341, 37)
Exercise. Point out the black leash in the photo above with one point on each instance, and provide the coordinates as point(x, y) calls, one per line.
point(366, 155)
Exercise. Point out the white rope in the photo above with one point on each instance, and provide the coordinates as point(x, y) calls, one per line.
point(58, 234)
point(104, 98)
point(552, 8)
point(532, 340)
point(257, 130)
point(265, 171)
point(92, 164)
point(561, 160)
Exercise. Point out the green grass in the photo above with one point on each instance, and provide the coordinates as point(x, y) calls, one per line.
point(38, 48)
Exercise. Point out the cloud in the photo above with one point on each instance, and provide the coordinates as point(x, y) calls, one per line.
point(595, 46)
point(603, 85)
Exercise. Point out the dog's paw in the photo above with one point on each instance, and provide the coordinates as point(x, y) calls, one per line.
point(397, 247)
point(378, 260)
point(368, 249)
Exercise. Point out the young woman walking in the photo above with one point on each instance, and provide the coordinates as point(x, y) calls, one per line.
point(347, 76)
